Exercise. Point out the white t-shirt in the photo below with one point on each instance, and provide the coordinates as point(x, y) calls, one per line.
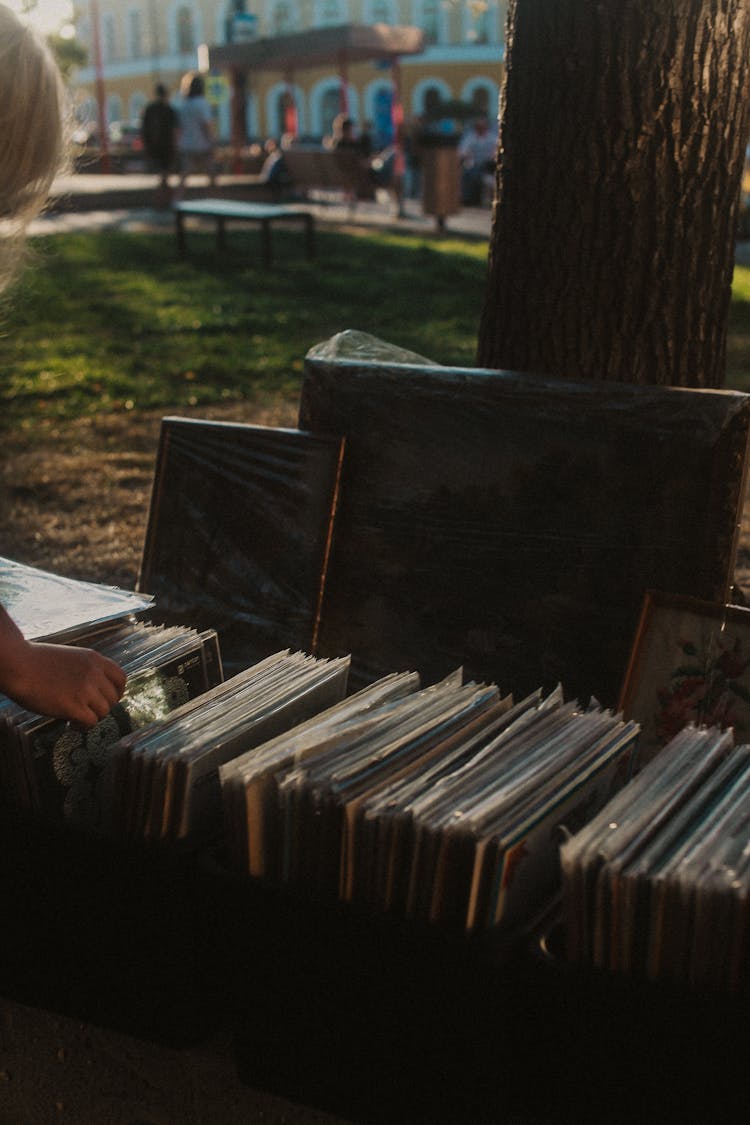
point(195, 125)
point(478, 148)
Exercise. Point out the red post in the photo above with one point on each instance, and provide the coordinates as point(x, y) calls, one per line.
point(101, 103)
point(397, 118)
point(291, 119)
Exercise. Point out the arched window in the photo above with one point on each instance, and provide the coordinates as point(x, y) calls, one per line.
point(382, 115)
point(136, 105)
point(86, 112)
point(286, 114)
point(330, 108)
point(114, 108)
point(432, 101)
point(482, 95)
point(185, 30)
point(480, 102)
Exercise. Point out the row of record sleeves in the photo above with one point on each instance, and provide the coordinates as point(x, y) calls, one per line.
point(658, 883)
point(451, 804)
point(439, 803)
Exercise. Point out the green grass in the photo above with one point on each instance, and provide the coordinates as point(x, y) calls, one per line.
point(116, 320)
point(738, 340)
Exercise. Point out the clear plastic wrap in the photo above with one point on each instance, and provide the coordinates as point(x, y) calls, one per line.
point(238, 533)
point(351, 344)
point(46, 605)
point(512, 523)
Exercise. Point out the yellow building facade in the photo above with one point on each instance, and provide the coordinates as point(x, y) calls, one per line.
point(141, 42)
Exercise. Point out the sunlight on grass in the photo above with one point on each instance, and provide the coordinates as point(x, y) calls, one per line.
point(118, 321)
point(115, 319)
point(738, 339)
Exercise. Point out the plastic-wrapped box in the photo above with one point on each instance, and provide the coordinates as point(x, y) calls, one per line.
point(512, 523)
point(238, 533)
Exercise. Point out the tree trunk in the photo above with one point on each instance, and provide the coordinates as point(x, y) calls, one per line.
point(622, 144)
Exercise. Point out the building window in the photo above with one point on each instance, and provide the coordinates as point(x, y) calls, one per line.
point(430, 21)
point(480, 102)
point(137, 105)
point(135, 33)
point(432, 101)
point(83, 33)
point(286, 114)
point(329, 13)
point(382, 115)
point(281, 18)
point(86, 113)
point(185, 30)
point(330, 108)
point(478, 21)
point(381, 11)
point(114, 108)
point(109, 38)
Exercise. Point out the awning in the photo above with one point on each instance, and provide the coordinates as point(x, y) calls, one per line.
point(320, 46)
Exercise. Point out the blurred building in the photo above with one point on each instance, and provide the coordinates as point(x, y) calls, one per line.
point(142, 42)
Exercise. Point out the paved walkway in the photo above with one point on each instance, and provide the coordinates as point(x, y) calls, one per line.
point(94, 202)
point(98, 202)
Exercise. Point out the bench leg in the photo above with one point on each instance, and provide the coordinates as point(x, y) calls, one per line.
point(179, 230)
point(266, 237)
point(310, 236)
point(221, 241)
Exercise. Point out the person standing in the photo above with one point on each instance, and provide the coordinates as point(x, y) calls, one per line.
point(477, 151)
point(159, 136)
point(195, 138)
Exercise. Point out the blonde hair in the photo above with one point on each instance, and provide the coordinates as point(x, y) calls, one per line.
point(32, 145)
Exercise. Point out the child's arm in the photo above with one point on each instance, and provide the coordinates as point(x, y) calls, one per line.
point(59, 680)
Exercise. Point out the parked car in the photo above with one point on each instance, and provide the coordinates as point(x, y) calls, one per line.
point(124, 148)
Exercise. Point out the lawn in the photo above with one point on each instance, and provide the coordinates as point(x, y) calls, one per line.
point(110, 322)
point(738, 340)
point(109, 332)
point(116, 321)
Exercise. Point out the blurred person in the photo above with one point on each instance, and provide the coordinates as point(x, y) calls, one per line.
point(413, 140)
point(62, 681)
point(274, 170)
point(477, 151)
point(389, 172)
point(273, 162)
point(365, 140)
point(159, 135)
point(344, 136)
point(195, 137)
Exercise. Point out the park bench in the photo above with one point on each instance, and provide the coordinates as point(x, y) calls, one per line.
point(224, 211)
point(319, 169)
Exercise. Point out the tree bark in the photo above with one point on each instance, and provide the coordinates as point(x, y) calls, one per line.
point(622, 144)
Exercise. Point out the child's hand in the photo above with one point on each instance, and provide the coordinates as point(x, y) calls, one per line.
point(66, 682)
point(63, 681)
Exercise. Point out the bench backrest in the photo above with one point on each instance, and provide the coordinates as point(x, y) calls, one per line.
point(320, 168)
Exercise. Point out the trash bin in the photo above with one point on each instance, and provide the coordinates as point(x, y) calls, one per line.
point(441, 177)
